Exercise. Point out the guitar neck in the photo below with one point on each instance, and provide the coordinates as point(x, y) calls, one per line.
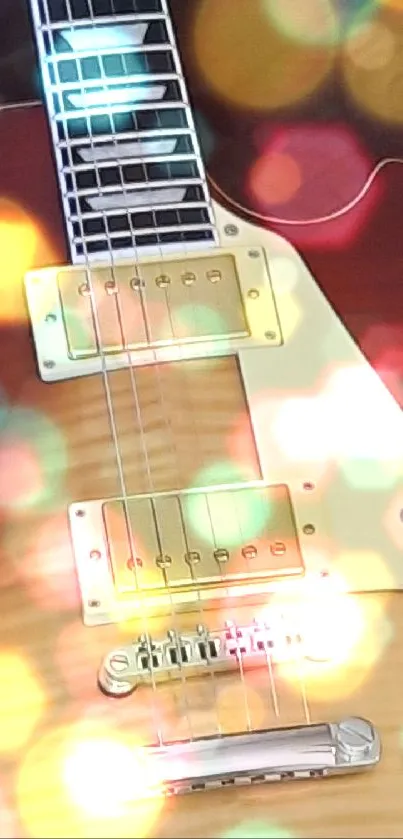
point(129, 166)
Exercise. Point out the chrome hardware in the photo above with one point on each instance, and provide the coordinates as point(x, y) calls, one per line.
point(283, 754)
point(219, 650)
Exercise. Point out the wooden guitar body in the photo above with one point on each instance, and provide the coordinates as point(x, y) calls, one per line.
point(66, 750)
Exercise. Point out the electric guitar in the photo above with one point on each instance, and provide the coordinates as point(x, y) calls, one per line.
point(201, 471)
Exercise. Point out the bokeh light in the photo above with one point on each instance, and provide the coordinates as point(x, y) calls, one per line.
point(275, 178)
point(229, 517)
point(236, 702)
point(372, 67)
point(47, 571)
point(344, 637)
point(246, 61)
point(394, 520)
point(299, 436)
point(320, 21)
point(87, 780)
point(78, 655)
point(19, 243)
point(301, 430)
point(223, 472)
point(308, 171)
point(365, 428)
point(196, 319)
point(22, 701)
point(33, 455)
point(9, 829)
point(256, 829)
point(382, 343)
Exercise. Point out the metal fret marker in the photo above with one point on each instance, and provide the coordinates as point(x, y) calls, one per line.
point(105, 37)
point(134, 148)
point(117, 96)
point(136, 198)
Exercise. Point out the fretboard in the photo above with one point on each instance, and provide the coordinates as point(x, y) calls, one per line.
point(128, 160)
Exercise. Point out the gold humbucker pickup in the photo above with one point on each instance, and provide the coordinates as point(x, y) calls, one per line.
point(169, 549)
point(109, 316)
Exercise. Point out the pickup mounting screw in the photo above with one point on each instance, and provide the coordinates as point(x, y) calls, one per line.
point(231, 230)
point(50, 318)
point(254, 254)
point(308, 529)
point(270, 335)
point(49, 364)
point(94, 603)
point(253, 293)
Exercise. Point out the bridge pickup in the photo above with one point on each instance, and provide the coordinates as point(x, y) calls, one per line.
point(136, 313)
point(153, 551)
point(146, 661)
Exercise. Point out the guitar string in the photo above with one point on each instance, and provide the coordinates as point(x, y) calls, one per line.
point(142, 433)
point(134, 391)
point(194, 568)
point(108, 389)
point(104, 363)
point(186, 256)
point(165, 414)
point(101, 348)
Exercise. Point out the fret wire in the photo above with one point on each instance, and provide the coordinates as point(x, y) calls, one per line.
point(68, 122)
point(78, 24)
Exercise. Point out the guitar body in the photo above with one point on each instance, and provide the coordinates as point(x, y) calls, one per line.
point(305, 413)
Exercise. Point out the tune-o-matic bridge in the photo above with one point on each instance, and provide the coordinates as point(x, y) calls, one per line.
point(141, 312)
point(146, 660)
